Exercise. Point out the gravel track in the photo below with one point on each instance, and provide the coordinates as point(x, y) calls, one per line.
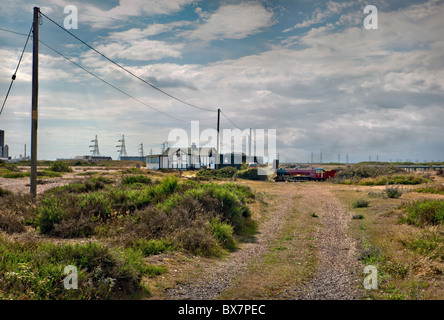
point(221, 275)
point(336, 278)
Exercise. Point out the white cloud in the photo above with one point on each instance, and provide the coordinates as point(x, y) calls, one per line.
point(150, 30)
point(141, 50)
point(126, 9)
point(319, 15)
point(234, 22)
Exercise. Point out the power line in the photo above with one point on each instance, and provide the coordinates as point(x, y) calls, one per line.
point(106, 82)
point(125, 69)
point(14, 32)
point(15, 73)
point(230, 120)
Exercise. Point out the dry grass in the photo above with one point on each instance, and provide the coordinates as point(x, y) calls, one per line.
point(403, 273)
point(291, 255)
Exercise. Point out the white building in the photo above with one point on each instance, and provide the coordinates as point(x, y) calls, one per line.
point(182, 159)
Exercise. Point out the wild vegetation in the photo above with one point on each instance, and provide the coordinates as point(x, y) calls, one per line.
point(423, 212)
point(231, 172)
point(377, 176)
point(11, 170)
point(402, 236)
point(110, 225)
point(131, 219)
point(434, 188)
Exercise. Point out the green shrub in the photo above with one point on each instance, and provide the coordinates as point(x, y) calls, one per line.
point(198, 239)
point(36, 271)
point(225, 172)
point(182, 213)
point(424, 212)
point(58, 166)
point(152, 247)
point(224, 234)
point(251, 174)
point(361, 203)
point(393, 191)
point(96, 204)
point(82, 187)
point(51, 210)
point(128, 180)
point(9, 167)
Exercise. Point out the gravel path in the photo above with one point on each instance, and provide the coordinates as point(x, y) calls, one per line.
point(336, 277)
point(220, 276)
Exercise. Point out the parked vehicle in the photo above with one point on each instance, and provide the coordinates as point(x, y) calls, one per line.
point(316, 174)
point(252, 165)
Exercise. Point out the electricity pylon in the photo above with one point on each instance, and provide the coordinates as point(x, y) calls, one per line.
point(141, 149)
point(95, 151)
point(122, 148)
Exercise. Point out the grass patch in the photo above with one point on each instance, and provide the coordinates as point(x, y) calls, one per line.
point(151, 247)
point(361, 203)
point(44, 173)
point(429, 243)
point(35, 271)
point(436, 189)
point(423, 212)
point(136, 179)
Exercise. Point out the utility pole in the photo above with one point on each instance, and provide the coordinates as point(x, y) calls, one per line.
point(35, 100)
point(249, 146)
point(217, 147)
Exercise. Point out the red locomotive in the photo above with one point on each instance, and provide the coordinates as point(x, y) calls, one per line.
point(316, 174)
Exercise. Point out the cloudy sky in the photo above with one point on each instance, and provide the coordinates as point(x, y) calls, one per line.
point(308, 69)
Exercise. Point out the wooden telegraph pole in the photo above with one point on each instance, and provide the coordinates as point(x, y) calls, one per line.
point(217, 147)
point(35, 89)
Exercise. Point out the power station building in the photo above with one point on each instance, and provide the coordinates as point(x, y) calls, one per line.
point(4, 149)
